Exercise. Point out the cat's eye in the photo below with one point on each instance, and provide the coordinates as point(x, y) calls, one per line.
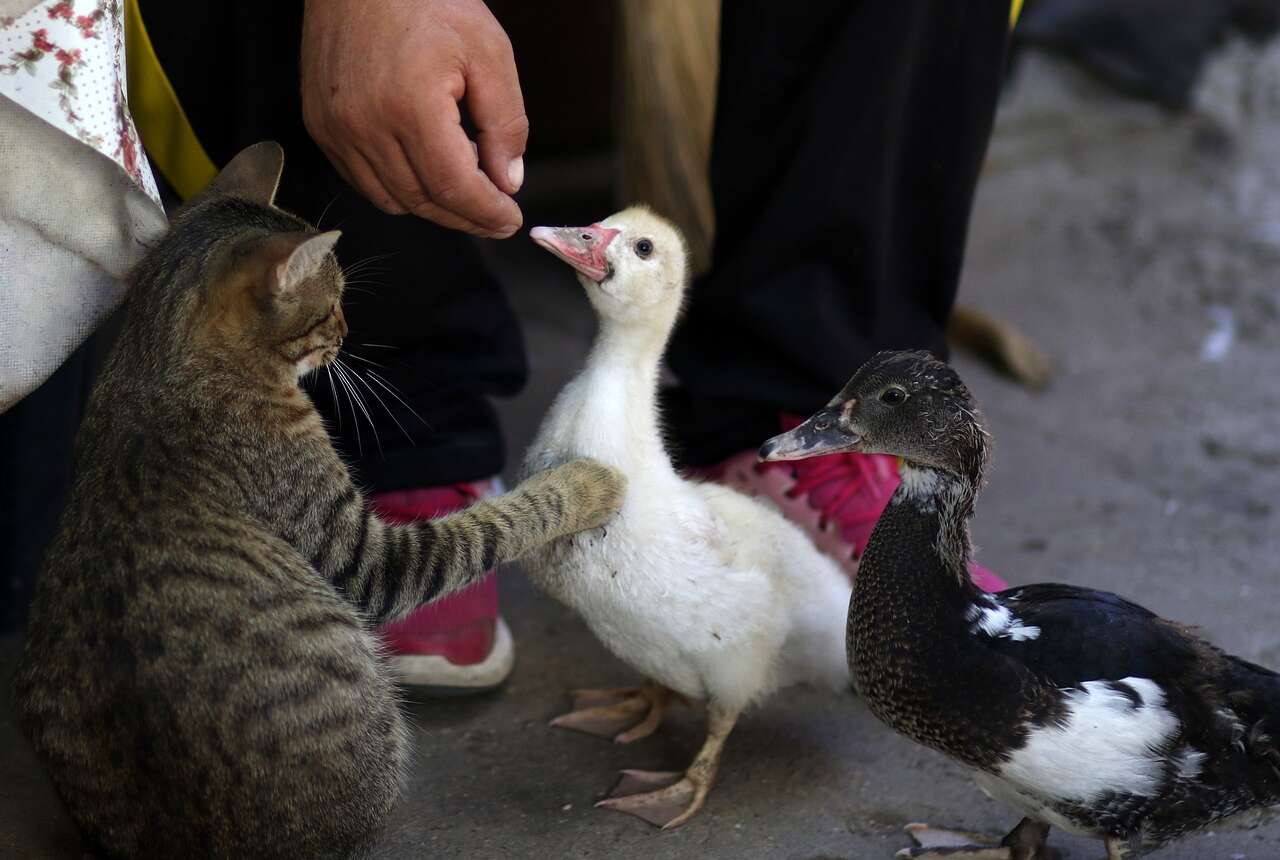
point(644, 248)
point(893, 395)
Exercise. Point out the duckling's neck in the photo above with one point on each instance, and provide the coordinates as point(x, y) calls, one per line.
point(620, 410)
point(635, 346)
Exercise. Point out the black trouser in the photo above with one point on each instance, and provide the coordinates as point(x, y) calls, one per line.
point(848, 138)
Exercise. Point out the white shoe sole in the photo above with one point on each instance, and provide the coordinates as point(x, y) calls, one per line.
point(435, 674)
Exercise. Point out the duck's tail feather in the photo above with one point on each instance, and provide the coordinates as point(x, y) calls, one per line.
point(1255, 698)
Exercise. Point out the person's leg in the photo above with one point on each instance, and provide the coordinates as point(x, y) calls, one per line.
point(431, 333)
point(848, 141)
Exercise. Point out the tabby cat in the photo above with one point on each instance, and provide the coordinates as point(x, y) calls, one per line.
point(199, 676)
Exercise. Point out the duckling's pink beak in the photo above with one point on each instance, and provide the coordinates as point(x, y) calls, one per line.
point(580, 247)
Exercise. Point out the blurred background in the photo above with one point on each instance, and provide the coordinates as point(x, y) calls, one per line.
point(1122, 332)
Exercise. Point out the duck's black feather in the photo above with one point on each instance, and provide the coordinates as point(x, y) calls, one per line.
point(1228, 709)
point(1088, 635)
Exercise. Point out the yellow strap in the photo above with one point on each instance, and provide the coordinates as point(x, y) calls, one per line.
point(1014, 11)
point(162, 124)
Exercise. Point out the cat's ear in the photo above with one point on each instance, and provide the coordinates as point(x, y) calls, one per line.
point(254, 174)
point(301, 256)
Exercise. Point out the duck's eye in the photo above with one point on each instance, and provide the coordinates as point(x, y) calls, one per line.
point(893, 396)
point(644, 248)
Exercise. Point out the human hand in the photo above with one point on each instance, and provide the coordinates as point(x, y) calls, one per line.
point(381, 86)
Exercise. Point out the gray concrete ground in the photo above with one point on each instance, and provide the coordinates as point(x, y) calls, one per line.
point(1137, 247)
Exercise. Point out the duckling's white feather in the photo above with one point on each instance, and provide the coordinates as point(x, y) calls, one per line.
point(700, 588)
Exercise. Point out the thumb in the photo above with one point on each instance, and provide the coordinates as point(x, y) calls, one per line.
point(496, 106)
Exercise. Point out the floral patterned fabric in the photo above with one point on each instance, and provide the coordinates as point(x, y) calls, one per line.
point(78, 204)
point(63, 60)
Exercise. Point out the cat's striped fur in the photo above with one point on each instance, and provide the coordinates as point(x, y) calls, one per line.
point(199, 673)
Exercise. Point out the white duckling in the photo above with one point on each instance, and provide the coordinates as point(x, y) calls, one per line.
point(710, 594)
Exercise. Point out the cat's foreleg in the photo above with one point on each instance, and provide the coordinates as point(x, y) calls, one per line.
point(393, 569)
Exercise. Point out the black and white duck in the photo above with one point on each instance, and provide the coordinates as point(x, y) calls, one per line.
point(1080, 709)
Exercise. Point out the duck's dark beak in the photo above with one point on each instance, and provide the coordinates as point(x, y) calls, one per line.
point(821, 434)
point(580, 247)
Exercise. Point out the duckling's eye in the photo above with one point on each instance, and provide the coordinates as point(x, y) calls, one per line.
point(644, 248)
point(893, 396)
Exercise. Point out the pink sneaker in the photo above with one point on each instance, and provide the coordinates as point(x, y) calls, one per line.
point(459, 644)
point(836, 499)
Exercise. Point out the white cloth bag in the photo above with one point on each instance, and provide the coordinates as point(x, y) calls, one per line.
point(77, 201)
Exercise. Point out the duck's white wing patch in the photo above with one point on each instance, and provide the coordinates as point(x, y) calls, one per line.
point(1110, 741)
point(999, 622)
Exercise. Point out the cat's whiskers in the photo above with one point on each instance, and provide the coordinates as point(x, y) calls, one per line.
point(349, 373)
point(351, 354)
point(365, 265)
point(325, 210)
point(354, 417)
point(390, 389)
point(372, 258)
point(337, 407)
point(384, 384)
point(353, 395)
point(381, 402)
point(361, 280)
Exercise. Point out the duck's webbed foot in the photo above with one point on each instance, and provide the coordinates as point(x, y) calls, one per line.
point(1120, 849)
point(668, 799)
point(625, 714)
point(1024, 842)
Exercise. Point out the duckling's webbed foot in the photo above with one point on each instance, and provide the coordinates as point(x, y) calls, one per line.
point(1024, 842)
point(625, 714)
point(663, 798)
point(668, 799)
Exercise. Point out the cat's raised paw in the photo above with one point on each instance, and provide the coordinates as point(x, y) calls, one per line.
point(595, 489)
